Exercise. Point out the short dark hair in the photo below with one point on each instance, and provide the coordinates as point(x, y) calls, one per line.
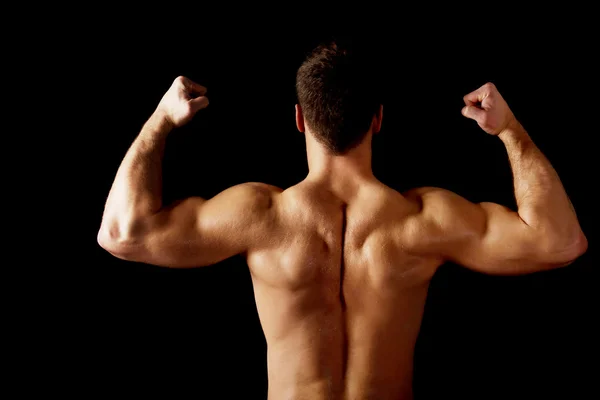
point(338, 92)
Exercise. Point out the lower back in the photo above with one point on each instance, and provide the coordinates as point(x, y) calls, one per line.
point(305, 349)
point(380, 347)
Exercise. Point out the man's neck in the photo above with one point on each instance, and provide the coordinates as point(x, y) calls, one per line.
point(343, 174)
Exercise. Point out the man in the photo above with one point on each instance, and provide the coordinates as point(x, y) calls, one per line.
point(340, 263)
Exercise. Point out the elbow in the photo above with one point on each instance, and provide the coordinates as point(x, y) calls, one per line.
point(579, 246)
point(565, 252)
point(106, 240)
point(109, 241)
point(112, 239)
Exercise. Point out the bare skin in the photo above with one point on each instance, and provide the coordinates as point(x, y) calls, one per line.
point(341, 263)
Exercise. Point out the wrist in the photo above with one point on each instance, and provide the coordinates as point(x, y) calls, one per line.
point(513, 131)
point(159, 123)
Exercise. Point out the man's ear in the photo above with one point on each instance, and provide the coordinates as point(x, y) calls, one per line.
point(299, 118)
point(377, 118)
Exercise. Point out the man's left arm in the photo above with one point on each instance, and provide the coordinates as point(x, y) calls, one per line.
point(192, 232)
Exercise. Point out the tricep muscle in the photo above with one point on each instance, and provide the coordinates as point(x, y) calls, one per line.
point(196, 232)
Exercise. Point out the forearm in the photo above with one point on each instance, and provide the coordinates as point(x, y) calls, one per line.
point(137, 189)
point(542, 201)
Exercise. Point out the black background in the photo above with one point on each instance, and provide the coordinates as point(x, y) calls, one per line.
point(135, 329)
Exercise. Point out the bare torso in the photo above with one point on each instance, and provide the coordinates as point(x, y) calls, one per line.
point(340, 290)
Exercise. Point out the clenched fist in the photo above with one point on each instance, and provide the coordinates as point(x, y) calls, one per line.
point(182, 101)
point(486, 106)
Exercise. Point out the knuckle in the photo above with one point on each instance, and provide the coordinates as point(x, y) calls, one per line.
point(180, 80)
point(490, 86)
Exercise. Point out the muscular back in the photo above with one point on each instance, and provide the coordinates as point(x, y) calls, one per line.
point(340, 293)
point(340, 277)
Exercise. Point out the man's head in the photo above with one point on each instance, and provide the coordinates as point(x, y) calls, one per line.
point(338, 96)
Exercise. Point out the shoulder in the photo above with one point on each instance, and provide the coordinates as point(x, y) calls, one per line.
point(256, 189)
point(251, 196)
point(260, 189)
point(430, 193)
point(250, 193)
point(435, 201)
point(442, 211)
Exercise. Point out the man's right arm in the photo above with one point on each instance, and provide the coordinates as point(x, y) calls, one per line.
point(543, 233)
